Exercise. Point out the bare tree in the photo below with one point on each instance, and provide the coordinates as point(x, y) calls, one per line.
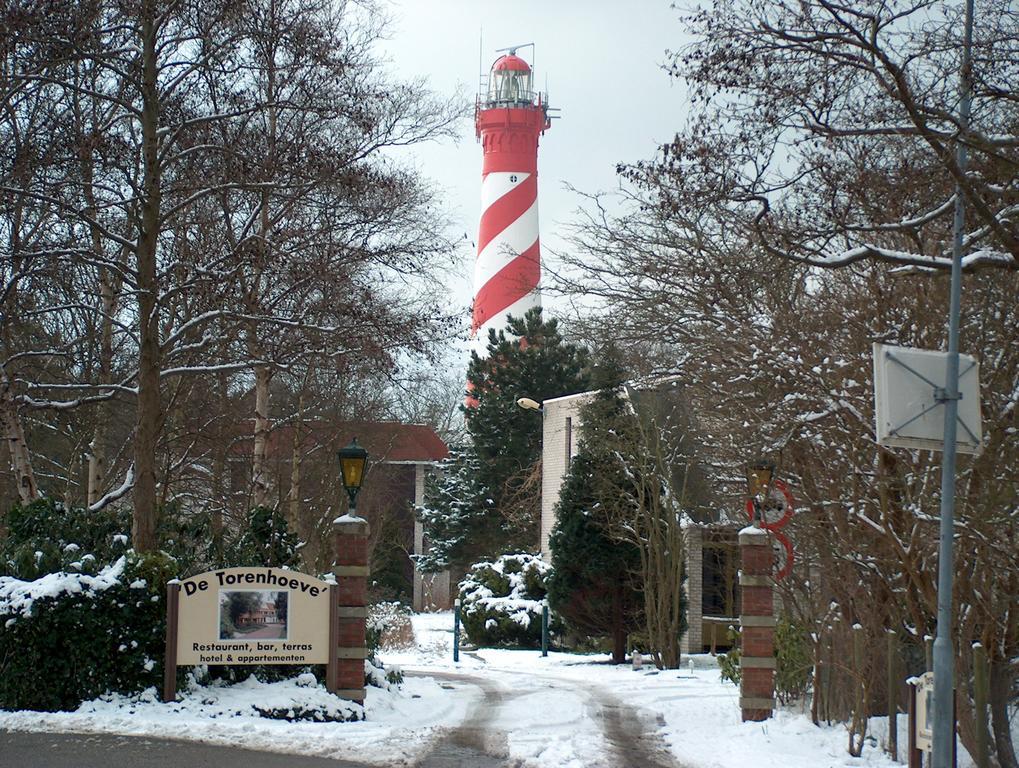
point(807, 115)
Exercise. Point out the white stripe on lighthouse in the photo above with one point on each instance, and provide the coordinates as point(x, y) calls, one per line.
point(507, 245)
point(496, 184)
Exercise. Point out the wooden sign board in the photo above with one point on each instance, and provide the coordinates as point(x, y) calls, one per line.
point(253, 616)
point(249, 616)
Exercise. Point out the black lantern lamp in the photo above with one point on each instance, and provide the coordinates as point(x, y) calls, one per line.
point(759, 477)
point(352, 461)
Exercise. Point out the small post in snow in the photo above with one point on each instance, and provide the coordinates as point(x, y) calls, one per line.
point(544, 627)
point(172, 628)
point(456, 630)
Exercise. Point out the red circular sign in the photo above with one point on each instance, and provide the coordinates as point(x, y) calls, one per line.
point(783, 550)
point(777, 507)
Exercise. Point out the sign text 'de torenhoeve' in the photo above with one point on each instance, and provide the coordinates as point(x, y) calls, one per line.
point(253, 616)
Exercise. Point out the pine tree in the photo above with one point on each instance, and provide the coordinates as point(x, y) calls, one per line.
point(527, 359)
point(594, 586)
point(456, 505)
point(488, 500)
point(618, 535)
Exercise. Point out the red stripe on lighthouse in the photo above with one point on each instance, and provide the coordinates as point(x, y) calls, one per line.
point(509, 285)
point(506, 210)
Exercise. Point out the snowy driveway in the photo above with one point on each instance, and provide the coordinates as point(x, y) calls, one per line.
point(527, 719)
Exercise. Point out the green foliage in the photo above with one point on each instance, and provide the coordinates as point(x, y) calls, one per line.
point(619, 538)
point(487, 499)
point(728, 663)
point(529, 358)
point(456, 505)
point(501, 601)
point(106, 631)
point(189, 539)
point(266, 541)
point(793, 664)
point(793, 661)
point(46, 537)
point(63, 649)
point(595, 584)
point(592, 586)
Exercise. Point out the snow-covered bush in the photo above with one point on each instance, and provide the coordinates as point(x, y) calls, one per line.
point(389, 627)
point(69, 637)
point(47, 537)
point(501, 600)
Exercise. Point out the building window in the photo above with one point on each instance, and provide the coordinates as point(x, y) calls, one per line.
point(569, 439)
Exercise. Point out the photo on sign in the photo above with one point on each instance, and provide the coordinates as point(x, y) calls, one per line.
point(247, 614)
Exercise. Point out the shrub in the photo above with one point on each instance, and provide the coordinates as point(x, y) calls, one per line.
point(266, 540)
point(793, 663)
point(501, 601)
point(389, 627)
point(728, 663)
point(47, 537)
point(69, 637)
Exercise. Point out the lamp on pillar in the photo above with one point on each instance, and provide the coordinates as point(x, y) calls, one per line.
point(759, 477)
point(348, 633)
point(353, 458)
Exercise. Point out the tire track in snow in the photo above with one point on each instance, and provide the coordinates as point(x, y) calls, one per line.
point(475, 743)
point(633, 744)
point(478, 743)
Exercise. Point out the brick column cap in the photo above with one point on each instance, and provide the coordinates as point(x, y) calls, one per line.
point(753, 537)
point(348, 525)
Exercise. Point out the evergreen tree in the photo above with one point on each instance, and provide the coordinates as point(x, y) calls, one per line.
point(617, 548)
point(488, 501)
point(455, 505)
point(594, 586)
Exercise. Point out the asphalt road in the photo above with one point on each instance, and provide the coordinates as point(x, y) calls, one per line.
point(19, 749)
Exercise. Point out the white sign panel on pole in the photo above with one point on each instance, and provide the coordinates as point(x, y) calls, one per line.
point(909, 404)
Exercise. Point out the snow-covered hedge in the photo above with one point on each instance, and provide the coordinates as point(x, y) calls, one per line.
point(501, 600)
point(46, 537)
point(66, 638)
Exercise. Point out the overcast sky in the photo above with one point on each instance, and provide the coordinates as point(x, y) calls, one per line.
point(602, 63)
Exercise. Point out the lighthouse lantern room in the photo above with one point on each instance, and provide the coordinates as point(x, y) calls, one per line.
point(509, 118)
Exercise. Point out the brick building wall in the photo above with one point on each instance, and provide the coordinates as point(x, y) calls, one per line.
point(692, 640)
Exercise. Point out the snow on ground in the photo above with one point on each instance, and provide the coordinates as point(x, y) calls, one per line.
point(539, 712)
point(701, 715)
point(399, 725)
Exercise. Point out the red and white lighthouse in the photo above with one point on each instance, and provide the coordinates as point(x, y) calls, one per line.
point(508, 120)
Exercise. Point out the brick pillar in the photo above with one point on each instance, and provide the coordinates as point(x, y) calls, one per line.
point(692, 641)
point(351, 572)
point(757, 619)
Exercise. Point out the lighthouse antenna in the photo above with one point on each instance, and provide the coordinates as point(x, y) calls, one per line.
point(512, 50)
point(481, 58)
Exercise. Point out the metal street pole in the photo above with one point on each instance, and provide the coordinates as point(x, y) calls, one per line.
point(544, 627)
point(456, 630)
point(944, 656)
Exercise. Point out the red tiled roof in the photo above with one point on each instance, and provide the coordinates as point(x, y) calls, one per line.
point(394, 442)
point(386, 441)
